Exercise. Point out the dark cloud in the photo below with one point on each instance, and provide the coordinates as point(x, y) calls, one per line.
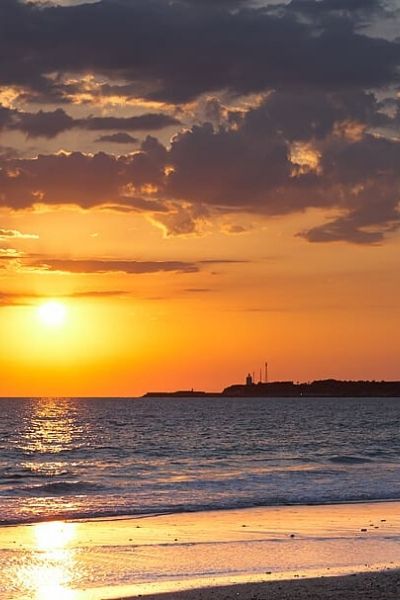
point(375, 212)
point(7, 153)
point(233, 168)
point(216, 3)
point(174, 51)
point(291, 153)
point(323, 9)
point(147, 122)
point(41, 124)
point(49, 124)
point(314, 114)
point(323, 137)
point(118, 138)
point(344, 229)
point(58, 179)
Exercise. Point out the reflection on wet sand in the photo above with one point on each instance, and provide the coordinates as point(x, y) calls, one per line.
point(93, 560)
point(50, 574)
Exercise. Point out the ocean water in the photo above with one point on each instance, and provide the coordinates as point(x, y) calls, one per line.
point(107, 457)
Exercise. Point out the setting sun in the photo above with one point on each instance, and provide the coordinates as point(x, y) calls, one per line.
point(52, 314)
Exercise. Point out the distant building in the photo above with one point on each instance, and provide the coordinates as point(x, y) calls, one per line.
point(249, 380)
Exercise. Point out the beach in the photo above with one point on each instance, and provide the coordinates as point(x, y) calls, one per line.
point(110, 498)
point(378, 586)
point(273, 552)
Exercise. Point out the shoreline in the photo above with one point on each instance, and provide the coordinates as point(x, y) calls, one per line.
point(106, 558)
point(77, 518)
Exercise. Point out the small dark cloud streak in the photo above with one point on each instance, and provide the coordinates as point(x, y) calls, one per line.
point(49, 124)
point(29, 298)
point(118, 138)
point(114, 266)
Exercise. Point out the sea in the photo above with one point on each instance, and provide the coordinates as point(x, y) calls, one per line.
point(109, 457)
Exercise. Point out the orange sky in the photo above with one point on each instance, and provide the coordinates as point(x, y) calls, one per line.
point(311, 312)
point(198, 220)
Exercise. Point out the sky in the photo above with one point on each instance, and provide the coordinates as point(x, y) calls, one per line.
point(190, 188)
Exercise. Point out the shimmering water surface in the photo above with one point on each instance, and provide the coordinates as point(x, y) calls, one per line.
point(95, 457)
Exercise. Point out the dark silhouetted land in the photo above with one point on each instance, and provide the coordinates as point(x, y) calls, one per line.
point(329, 388)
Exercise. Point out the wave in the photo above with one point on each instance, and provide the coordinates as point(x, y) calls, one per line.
point(62, 488)
point(16, 476)
point(350, 460)
point(117, 458)
point(117, 513)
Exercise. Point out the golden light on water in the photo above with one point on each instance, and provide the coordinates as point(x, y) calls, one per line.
point(51, 572)
point(52, 313)
point(48, 428)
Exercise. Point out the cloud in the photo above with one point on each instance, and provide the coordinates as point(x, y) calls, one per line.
point(324, 132)
point(206, 46)
point(198, 290)
point(344, 229)
point(147, 122)
point(129, 267)
point(312, 150)
point(324, 9)
point(235, 229)
point(183, 220)
point(29, 298)
point(118, 138)
point(98, 294)
point(6, 152)
point(13, 299)
point(114, 266)
point(7, 254)
point(49, 124)
point(13, 234)
point(41, 124)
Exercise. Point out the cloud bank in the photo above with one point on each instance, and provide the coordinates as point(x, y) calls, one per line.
point(174, 51)
point(323, 133)
point(285, 156)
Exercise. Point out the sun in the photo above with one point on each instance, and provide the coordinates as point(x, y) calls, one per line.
point(52, 313)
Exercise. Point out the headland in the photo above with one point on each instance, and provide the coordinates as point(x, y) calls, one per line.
point(324, 388)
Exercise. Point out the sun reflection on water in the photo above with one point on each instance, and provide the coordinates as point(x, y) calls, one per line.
point(49, 427)
point(49, 571)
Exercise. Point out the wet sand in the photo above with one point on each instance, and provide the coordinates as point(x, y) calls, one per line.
point(270, 550)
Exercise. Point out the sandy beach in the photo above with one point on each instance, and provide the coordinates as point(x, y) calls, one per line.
point(276, 552)
point(377, 586)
